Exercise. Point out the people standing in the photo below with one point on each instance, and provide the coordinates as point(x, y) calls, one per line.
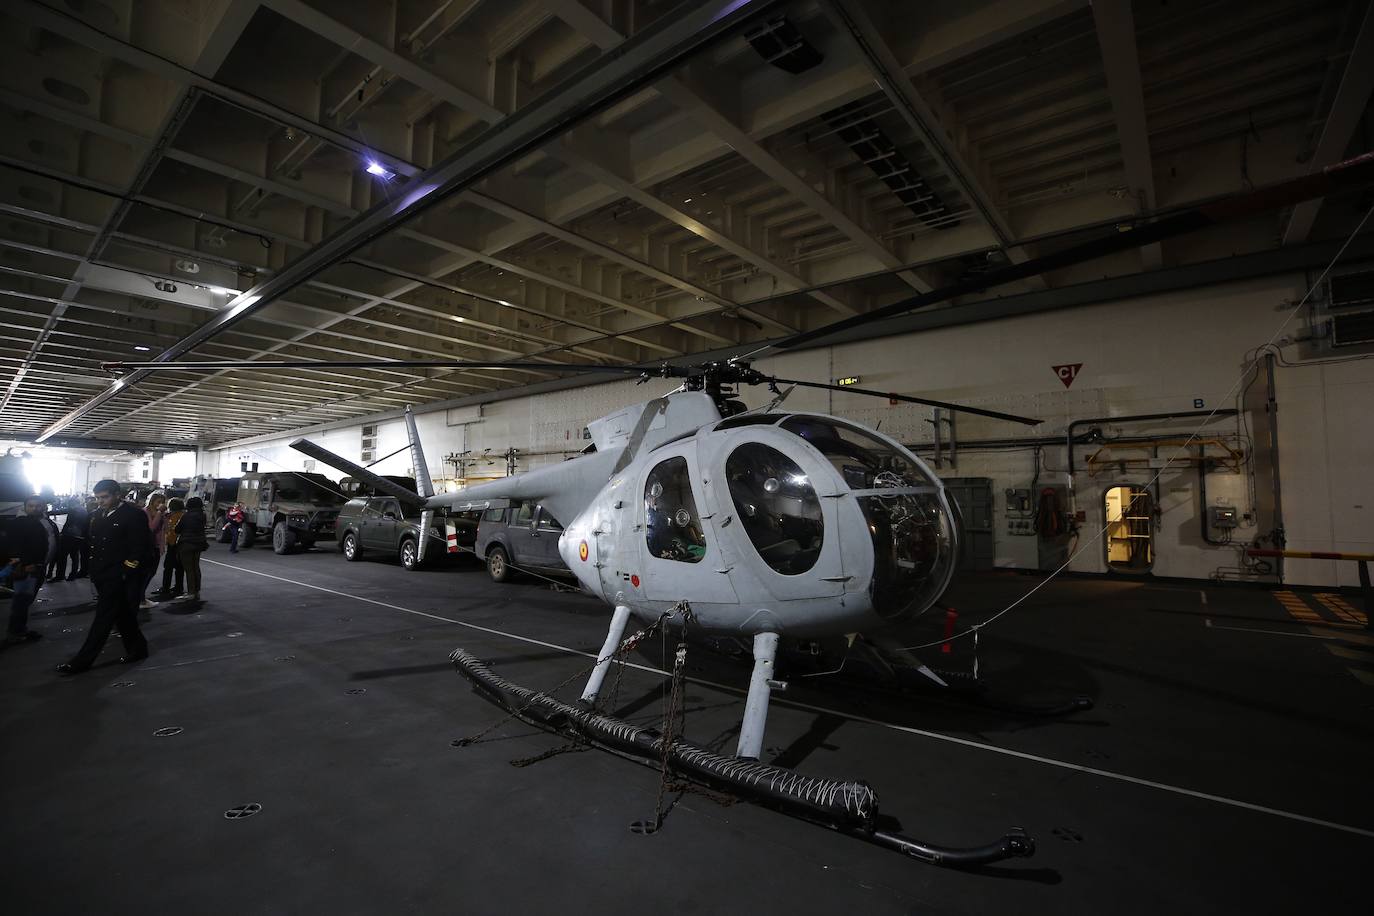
point(171, 565)
point(191, 543)
point(120, 542)
point(73, 543)
point(234, 518)
point(35, 537)
point(157, 527)
point(91, 506)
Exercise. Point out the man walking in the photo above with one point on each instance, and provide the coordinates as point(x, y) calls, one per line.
point(120, 541)
point(35, 539)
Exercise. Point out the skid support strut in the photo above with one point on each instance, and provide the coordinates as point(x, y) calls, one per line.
point(756, 707)
point(603, 661)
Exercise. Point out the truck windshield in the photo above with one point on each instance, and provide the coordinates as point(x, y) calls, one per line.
point(295, 494)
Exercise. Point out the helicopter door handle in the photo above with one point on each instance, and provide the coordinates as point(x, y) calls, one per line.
point(728, 520)
point(725, 570)
point(836, 578)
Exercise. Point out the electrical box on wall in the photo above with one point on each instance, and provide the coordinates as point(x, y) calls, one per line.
point(1020, 512)
point(1223, 517)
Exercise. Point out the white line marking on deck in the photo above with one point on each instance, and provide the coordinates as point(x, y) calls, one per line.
point(964, 742)
point(1213, 626)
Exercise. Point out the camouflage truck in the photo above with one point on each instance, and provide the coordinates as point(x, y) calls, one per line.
point(218, 494)
point(294, 509)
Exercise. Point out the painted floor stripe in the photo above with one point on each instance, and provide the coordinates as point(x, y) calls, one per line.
point(950, 739)
point(1341, 608)
point(1214, 626)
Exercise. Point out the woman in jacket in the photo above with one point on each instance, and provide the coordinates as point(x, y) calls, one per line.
point(190, 544)
point(157, 527)
point(171, 565)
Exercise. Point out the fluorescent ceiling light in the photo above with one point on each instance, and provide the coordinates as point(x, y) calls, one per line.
point(142, 349)
point(376, 168)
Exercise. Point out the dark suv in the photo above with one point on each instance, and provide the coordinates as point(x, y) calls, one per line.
point(382, 524)
point(519, 535)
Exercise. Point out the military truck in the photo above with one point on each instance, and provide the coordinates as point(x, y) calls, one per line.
point(294, 509)
point(218, 494)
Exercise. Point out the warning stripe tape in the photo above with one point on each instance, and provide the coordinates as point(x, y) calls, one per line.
point(1338, 606)
point(1297, 608)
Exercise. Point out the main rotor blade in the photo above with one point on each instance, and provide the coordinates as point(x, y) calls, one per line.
point(1028, 421)
point(217, 364)
point(1359, 170)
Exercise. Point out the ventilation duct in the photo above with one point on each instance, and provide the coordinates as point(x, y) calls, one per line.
point(877, 151)
point(779, 43)
point(1351, 329)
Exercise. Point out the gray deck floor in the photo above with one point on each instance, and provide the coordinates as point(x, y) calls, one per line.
point(1221, 770)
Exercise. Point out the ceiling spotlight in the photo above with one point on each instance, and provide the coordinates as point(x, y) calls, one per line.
point(376, 168)
point(141, 349)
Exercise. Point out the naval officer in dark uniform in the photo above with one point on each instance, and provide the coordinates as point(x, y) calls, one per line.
point(120, 541)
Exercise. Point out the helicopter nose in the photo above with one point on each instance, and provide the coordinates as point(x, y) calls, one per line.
point(913, 552)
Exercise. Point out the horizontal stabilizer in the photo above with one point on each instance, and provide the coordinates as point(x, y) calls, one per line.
point(340, 463)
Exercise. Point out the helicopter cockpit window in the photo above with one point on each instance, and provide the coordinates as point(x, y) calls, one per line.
point(777, 507)
point(672, 525)
point(914, 542)
point(864, 461)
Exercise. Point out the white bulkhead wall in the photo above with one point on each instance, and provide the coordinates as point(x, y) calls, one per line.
point(1152, 354)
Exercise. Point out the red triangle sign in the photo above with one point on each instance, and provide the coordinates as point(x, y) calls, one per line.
point(1067, 372)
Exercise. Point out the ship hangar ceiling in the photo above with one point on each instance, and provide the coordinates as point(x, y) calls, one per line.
point(624, 182)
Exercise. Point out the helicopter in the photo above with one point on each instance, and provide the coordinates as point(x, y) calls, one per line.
point(754, 524)
point(767, 522)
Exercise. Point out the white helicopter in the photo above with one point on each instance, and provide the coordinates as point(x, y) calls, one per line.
point(767, 523)
point(764, 523)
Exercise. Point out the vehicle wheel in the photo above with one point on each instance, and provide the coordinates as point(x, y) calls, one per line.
point(283, 539)
point(248, 535)
point(410, 555)
point(222, 526)
point(350, 547)
point(498, 566)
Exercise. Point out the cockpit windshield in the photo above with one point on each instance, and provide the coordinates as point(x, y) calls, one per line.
point(908, 519)
point(863, 460)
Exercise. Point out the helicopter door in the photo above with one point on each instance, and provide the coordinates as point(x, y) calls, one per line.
point(680, 549)
point(783, 517)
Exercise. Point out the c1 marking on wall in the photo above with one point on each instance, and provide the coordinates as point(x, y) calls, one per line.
point(1067, 372)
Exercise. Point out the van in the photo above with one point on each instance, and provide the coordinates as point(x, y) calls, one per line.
point(516, 535)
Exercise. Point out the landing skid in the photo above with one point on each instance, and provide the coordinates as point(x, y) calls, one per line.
point(851, 807)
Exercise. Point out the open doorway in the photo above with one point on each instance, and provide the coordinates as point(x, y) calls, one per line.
point(1130, 541)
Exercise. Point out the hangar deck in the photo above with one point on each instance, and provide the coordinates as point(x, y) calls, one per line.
point(1224, 766)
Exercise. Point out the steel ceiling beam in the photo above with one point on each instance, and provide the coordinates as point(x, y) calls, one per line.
point(638, 62)
point(1121, 61)
point(223, 34)
point(71, 27)
point(1349, 105)
point(710, 115)
point(935, 133)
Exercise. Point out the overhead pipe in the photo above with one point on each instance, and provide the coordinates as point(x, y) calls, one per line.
point(1177, 415)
